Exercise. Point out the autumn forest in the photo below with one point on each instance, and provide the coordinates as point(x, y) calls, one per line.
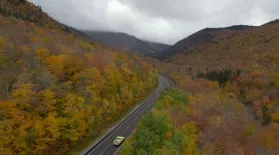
point(59, 90)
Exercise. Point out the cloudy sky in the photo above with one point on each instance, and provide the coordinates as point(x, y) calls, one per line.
point(165, 21)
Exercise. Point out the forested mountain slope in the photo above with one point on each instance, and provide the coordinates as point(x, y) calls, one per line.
point(188, 45)
point(232, 85)
point(56, 88)
point(22, 9)
point(246, 49)
point(128, 43)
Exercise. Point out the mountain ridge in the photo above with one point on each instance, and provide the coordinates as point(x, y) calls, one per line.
point(190, 43)
point(126, 42)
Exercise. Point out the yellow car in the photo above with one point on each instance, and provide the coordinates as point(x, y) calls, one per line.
point(118, 141)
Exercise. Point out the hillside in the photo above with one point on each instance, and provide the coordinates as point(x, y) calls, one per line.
point(273, 22)
point(126, 42)
point(229, 103)
point(57, 89)
point(22, 9)
point(232, 85)
point(242, 49)
point(188, 45)
point(205, 120)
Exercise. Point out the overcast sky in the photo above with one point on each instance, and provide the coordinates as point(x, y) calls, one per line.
point(166, 21)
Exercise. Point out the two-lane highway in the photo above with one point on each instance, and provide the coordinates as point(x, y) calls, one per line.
point(126, 127)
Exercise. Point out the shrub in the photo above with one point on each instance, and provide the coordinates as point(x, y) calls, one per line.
point(266, 119)
point(221, 76)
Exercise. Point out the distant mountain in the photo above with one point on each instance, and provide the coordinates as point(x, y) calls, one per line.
point(158, 46)
point(189, 44)
point(227, 47)
point(126, 42)
point(273, 22)
point(77, 32)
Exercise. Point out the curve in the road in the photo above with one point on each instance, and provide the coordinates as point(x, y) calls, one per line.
point(126, 127)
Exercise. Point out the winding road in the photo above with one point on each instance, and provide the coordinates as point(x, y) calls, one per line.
point(126, 127)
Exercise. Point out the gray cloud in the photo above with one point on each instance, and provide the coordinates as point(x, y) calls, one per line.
point(164, 21)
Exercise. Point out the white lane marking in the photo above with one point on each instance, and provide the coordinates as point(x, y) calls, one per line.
point(118, 149)
point(130, 125)
point(131, 115)
point(136, 118)
point(139, 117)
point(168, 82)
point(127, 128)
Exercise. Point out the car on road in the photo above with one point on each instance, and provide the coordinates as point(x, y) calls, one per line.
point(118, 141)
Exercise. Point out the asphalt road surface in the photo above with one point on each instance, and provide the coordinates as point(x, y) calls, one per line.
point(127, 126)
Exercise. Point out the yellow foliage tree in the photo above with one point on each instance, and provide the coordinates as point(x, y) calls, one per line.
point(188, 144)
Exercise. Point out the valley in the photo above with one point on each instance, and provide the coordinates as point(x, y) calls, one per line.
point(73, 90)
